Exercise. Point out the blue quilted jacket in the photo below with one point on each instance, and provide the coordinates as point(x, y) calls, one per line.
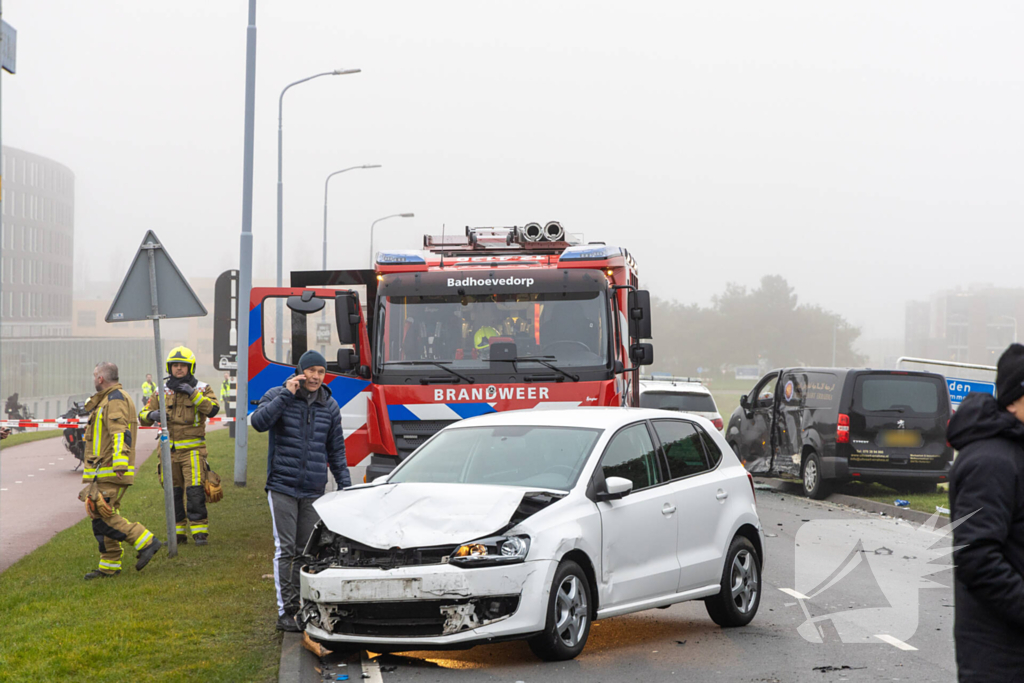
point(305, 439)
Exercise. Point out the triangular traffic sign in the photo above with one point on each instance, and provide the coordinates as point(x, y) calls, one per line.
point(174, 295)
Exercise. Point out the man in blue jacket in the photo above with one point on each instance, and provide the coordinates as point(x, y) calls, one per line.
point(305, 440)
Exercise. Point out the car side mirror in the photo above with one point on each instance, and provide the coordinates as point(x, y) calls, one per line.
point(641, 354)
point(615, 488)
point(744, 401)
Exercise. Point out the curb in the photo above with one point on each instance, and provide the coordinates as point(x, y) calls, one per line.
point(786, 486)
point(297, 663)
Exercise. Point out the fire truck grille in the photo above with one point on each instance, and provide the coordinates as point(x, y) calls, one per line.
point(410, 434)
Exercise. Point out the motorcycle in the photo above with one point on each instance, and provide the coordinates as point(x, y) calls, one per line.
point(74, 437)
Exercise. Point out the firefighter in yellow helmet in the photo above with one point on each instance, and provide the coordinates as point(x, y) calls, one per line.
point(189, 403)
point(109, 471)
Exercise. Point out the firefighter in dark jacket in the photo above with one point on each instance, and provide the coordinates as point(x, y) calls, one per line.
point(189, 403)
point(986, 494)
point(306, 440)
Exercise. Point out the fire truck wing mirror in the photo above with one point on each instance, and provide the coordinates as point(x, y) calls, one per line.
point(346, 314)
point(306, 303)
point(642, 354)
point(639, 303)
point(346, 361)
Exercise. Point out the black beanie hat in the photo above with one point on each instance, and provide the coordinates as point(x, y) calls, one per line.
point(1010, 375)
point(311, 358)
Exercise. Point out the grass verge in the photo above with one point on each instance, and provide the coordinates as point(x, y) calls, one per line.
point(924, 502)
point(33, 435)
point(206, 615)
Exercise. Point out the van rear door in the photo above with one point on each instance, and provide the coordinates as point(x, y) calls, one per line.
point(898, 420)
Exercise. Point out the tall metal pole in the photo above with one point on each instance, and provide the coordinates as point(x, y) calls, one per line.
point(279, 316)
point(1, 206)
point(245, 260)
point(350, 168)
point(374, 225)
point(165, 446)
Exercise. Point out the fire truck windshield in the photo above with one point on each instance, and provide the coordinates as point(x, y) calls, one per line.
point(566, 329)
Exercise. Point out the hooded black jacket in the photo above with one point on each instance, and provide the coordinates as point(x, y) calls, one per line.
point(987, 479)
point(305, 440)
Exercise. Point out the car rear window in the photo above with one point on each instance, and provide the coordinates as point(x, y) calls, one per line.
point(687, 403)
point(898, 393)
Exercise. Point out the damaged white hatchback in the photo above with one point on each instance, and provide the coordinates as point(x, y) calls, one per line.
point(532, 524)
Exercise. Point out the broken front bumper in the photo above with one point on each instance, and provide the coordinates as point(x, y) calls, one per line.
point(426, 606)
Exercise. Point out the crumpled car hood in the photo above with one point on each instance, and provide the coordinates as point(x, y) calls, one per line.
point(418, 515)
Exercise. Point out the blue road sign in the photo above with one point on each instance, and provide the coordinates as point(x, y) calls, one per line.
point(959, 388)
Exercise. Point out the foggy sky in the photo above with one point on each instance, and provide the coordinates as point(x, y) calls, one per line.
point(868, 152)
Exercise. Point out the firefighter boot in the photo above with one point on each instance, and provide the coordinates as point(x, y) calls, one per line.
point(97, 574)
point(201, 539)
point(147, 553)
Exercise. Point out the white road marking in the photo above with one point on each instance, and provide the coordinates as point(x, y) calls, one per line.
point(896, 642)
point(17, 482)
point(42, 469)
point(3, 489)
point(58, 459)
point(31, 475)
point(371, 669)
point(51, 464)
point(794, 594)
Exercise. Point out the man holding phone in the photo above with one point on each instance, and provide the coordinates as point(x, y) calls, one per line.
point(306, 439)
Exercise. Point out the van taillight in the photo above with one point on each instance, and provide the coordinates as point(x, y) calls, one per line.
point(843, 430)
point(750, 478)
point(719, 425)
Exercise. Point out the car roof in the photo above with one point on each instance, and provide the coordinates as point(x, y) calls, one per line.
point(592, 418)
point(670, 387)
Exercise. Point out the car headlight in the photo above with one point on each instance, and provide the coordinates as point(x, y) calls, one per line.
point(491, 551)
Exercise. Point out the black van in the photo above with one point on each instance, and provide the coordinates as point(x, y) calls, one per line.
point(829, 425)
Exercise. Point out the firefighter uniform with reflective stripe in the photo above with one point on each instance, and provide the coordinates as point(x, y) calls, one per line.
point(148, 389)
point(110, 462)
point(186, 422)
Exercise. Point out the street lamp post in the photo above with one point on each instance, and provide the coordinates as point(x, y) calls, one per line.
point(351, 168)
point(374, 224)
point(280, 195)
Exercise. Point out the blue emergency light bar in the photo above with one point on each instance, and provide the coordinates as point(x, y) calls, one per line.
point(589, 252)
point(391, 258)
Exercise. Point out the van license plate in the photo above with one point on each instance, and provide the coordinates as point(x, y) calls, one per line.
point(901, 438)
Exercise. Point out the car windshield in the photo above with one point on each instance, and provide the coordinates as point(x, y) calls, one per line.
point(687, 403)
point(541, 457)
point(569, 329)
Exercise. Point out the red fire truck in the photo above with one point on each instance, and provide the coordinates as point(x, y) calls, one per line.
point(496, 319)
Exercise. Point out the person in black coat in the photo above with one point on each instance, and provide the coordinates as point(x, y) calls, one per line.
point(986, 494)
point(306, 440)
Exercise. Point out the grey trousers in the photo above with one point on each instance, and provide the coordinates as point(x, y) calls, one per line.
point(293, 520)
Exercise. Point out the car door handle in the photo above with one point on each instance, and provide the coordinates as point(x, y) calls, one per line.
point(722, 495)
point(668, 509)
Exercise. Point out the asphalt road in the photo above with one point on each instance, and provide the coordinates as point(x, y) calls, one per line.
point(872, 589)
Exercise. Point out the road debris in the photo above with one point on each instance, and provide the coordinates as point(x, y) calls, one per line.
point(844, 667)
point(316, 648)
point(901, 503)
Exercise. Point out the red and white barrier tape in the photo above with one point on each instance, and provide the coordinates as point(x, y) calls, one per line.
point(61, 423)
